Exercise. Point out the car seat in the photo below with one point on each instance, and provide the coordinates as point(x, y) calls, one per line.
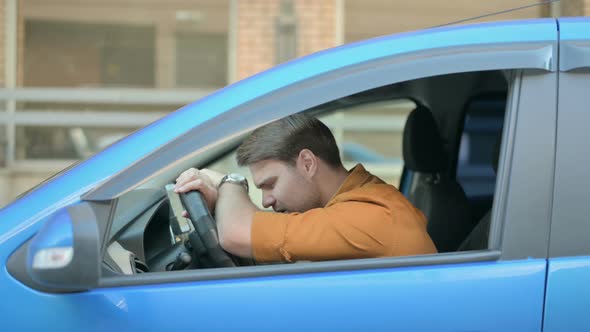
point(439, 197)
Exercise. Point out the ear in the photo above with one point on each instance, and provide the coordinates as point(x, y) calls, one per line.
point(307, 163)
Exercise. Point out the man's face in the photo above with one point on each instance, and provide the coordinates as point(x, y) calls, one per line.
point(285, 188)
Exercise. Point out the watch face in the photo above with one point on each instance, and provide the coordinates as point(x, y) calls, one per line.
point(236, 177)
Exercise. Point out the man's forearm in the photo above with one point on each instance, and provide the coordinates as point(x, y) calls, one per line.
point(234, 213)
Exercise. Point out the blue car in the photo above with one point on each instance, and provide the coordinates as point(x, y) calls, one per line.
point(102, 247)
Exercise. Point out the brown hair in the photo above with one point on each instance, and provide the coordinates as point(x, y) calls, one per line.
point(285, 138)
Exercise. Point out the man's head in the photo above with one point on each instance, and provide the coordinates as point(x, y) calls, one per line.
point(288, 159)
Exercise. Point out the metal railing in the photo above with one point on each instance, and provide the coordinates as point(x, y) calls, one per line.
point(91, 116)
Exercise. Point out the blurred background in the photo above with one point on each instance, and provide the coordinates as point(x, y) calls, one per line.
point(77, 75)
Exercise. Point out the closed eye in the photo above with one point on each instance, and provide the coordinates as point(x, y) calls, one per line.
point(267, 184)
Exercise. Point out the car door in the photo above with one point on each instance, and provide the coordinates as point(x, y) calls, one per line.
point(496, 289)
point(568, 294)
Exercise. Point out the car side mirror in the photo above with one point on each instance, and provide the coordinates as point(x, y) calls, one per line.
point(64, 256)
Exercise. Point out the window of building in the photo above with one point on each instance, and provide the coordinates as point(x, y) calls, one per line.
point(66, 54)
point(201, 59)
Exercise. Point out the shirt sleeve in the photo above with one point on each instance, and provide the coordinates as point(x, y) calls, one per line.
point(345, 230)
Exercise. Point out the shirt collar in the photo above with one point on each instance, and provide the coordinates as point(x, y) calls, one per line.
point(357, 176)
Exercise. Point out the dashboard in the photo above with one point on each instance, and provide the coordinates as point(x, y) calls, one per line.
point(148, 233)
point(142, 237)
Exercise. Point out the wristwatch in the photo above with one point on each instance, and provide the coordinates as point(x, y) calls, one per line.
point(235, 179)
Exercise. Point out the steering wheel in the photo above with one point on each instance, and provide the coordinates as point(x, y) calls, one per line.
point(205, 241)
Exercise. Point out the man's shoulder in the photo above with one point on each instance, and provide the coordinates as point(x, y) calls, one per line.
point(377, 192)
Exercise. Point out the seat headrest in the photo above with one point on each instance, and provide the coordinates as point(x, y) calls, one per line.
point(422, 146)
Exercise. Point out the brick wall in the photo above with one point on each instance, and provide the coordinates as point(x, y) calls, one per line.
point(317, 25)
point(167, 17)
point(257, 19)
point(369, 18)
point(255, 32)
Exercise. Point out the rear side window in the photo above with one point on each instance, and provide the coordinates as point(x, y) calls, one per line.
point(480, 140)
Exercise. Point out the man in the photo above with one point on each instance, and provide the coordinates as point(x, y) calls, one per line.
point(322, 211)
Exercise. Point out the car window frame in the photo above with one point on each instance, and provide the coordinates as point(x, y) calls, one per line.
point(569, 227)
point(494, 252)
point(319, 90)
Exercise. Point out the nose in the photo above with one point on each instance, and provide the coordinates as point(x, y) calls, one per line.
point(268, 200)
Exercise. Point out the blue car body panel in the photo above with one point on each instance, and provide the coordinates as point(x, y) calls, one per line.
point(465, 297)
point(568, 296)
point(574, 35)
point(491, 296)
point(574, 28)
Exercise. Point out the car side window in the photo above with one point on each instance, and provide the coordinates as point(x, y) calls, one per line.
point(370, 128)
point(478, 149)
point(370, 133)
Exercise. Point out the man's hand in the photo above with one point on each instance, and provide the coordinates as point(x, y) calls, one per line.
point(205, 180)
point(236, 211)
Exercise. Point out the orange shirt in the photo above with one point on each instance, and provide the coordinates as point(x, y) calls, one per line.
point(365, 218)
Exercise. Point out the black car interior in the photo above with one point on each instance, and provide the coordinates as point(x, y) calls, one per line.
point(478, 237)
point(435, 192)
